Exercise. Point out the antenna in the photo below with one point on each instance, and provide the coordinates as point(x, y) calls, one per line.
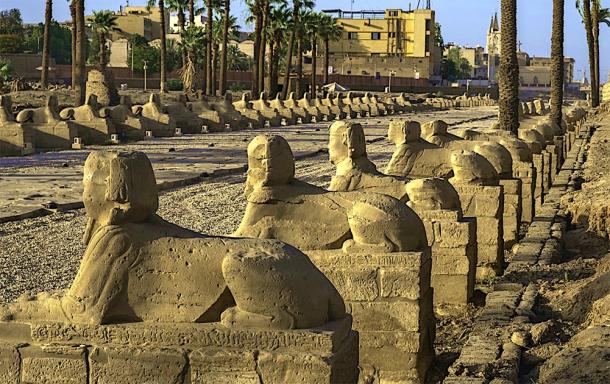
point(428, 5)
point(418, 1)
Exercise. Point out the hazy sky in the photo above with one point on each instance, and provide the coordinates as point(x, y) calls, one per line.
point(464, 22)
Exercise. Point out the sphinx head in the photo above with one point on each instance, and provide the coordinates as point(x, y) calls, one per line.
point(436, 127)
point(432, 194)
point(403, 132)
point(346, 141)
point(270, 162)
point(119, 188)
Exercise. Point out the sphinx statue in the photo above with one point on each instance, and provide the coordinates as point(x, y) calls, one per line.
point(262, 105)
point(138, 267)
point(413, 155)
point(307, 103)
point(184, 117)
point(291, 114)
point(335, 104)
point(240, 118)
point(312, 218)
point(307, 115)
point(250, 108)
point(126, 122)
point(471, 168)
point(51, 132)
point(153, 119)
point(92, 128)
point(15, 139)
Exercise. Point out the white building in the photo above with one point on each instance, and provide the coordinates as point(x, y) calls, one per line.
point(200, 21)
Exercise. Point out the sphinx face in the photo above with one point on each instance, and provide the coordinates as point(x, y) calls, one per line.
point(271, 163)
point(95, 186)
point(337, 148)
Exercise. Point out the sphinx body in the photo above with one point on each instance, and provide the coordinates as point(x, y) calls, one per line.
point(139, 268)
point(311, 218)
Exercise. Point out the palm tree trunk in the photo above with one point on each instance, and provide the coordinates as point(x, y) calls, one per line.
point(299, 67)
point(595, 30)
point(73, 42)
point(163, 47)
point(326, 59)
point(225, 44)
point(181, 26)
point(557, 61)
point(314, 52)
point(81, 52)
point(191, 12)
point(258, 31)
point(48, 16)
point(269, 80)
point(262, 48)
point(214, 67)
point(102, 53)
point(509, 68)
point(295, 18)
point(586, 7)
point(209, 88)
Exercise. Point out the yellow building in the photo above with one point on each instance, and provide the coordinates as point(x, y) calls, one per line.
point(140, 21)
point(537, 72)
point(378, 42)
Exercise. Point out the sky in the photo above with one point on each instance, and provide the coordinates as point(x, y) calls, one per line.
point(464, 22)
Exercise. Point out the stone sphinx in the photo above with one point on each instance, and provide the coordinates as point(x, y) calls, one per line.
point(262, 105)
point(307, 115)
point(309, 217)
point(376, 108)
point(92, 128)
point(473, 169)
point(51, 132)
point(15, 139)
point(416, 157)
point(335, 103)
point(356, 105)
point(146, 285)
point(355, 238)
point(185, 119)
point(290, 114)
point(435, 200)
point(251, 109)
point(153, 119)
point(127, 124)
point(210, 117)
point(243, 118)
point(307, 103)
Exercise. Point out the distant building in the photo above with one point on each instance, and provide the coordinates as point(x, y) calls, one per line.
point(200, 21)
point(375, 43)
point(476, 58)
point(139, 21)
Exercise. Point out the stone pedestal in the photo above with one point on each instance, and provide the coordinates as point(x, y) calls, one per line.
point(531, 185)
point(53, 136)
point(540, 167)
point(101, 84)
point(15, 140)
point(96, 131)
point(390, 299)
point(512, 210)
point(176, 353)
point(554, 152)
point(486, 204)
point(453, 240)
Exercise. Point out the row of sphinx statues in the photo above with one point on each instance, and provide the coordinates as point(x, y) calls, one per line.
point(49, 128)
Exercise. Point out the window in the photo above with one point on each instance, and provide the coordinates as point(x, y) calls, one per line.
point(392, 34)
point(352, 35)
point(375, 36)
point(428, 24)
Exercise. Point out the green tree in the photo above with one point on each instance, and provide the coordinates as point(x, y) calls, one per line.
point(509, 68)
point(163, 57)
point(557, 61)
point(584, 7)
point(102, 23)
point(277, 27)
point(226, 24)
point(297, 7)
point(11, 44)
point(60, 41)
point(146, 54)
point(192, 38)
point(5, 71)
point(11, 22)
point(237, 60)
point(460, 67)
point(331, 31)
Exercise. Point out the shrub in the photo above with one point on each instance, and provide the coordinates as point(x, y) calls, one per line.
point(175, 85)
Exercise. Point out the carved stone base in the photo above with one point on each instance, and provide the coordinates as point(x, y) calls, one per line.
point(176, 353)
point(453, 239)
point(93, 132)
point(486, 204)
point(390, 299)
point(512, 210)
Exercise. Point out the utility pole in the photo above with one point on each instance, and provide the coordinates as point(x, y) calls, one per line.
point(145, 68)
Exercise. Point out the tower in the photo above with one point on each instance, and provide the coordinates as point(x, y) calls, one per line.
point(493, 37)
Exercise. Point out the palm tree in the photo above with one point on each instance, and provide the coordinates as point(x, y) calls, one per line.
point(255, 8)
point(311, 27)
point(48, 16)
point(73, 42)
point(509, 68)
point(279, 18)
point(80, 69)
point(209, 86)
point(262, 46)
point(191, 12)
point(297, 5)
point(180, 7)
point(222, 86)
point(584, 7)
point(330, 31)
point(163, 70)
point(219, 37)
point(102, 23)
point(191, 38)
point(557, 61)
